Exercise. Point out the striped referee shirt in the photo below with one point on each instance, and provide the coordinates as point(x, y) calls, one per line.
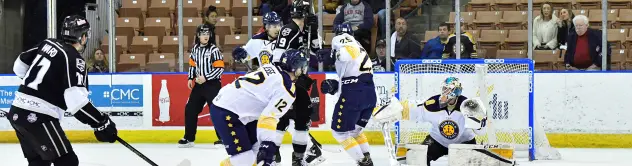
point(206, 61)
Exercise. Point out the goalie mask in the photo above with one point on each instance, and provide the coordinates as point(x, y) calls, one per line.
point(450, 91)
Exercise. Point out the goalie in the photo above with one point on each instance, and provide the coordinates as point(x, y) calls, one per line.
point(455, 119)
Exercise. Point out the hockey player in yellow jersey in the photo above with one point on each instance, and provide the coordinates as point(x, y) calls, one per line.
point(245, 113)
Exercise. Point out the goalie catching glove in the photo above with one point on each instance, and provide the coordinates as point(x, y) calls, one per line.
point(390, 112)
point(475, 113)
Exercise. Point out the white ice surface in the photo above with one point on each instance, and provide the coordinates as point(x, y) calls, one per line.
point(206, 155)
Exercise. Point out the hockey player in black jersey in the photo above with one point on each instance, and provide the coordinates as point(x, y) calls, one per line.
point(55, 82)
point(296, 35)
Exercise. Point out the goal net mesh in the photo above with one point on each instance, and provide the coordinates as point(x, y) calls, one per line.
point(504, 88)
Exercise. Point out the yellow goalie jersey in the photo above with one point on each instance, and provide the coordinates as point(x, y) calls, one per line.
point(265, 95)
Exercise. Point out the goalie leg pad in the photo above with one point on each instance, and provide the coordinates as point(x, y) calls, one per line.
point(500, 155)
point(415, 154)
point(349, 144)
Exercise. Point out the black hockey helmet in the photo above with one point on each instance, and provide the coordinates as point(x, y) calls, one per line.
point(300, 9)
point(204, 29)
point(73, 28)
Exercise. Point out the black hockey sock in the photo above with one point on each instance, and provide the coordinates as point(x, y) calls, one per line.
point(299, 148)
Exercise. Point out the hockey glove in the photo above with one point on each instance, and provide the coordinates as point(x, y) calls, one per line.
point(311, 21)
point(329, 86)
point(304, 82)
point(105, 131)
point(324, 55)
point(266, 153)
point(240, 54)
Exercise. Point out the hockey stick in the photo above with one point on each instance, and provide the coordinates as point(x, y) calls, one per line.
point(185, 162)
point(320, 146)
point(388, 142)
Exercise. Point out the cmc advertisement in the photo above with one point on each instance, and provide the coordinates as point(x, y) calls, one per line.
point(120, 96)
point(170, 96)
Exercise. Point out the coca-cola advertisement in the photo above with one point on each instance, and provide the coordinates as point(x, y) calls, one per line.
point(170, 95)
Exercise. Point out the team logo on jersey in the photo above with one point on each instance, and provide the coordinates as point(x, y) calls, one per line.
point(15, 117)
point(286, 31)
point(31, 118)
point(44, 148)
point(449, 129)
point(265, 57)
point(81, 64)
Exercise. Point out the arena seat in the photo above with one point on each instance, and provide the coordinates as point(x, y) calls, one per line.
point(144, 44)
point(480, 5)
point(594, 18)
point(170, 44)
point(619, 4)
point(257, 23)
point(545, 59)
point(487, 20)
point(127, 26)
point(190, 25)
point(517, 40)
point(161, 62)
point(588, 4)
point(157, 26)
point(616, 37)
point(131, 63)
point(224, 26)
point(121, 44)
point(513, 20)
point(133, 8)
point(618, 59)
point(507, 54)
point(506, 5)
point(161, 8)
point(192, 8)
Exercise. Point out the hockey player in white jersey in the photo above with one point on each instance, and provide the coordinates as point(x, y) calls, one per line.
point(247, 111)
point(357, 97)
point(261, 44)
point(454, 118)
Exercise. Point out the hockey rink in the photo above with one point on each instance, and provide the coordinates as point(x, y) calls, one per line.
point(205, 155)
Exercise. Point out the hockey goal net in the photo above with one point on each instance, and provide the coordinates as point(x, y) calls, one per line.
point(504, 85)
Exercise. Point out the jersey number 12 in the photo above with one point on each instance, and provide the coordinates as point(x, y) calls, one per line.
point(41, 67)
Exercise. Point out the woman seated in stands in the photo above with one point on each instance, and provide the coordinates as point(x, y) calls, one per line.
point(564, 27)
point(545, 29)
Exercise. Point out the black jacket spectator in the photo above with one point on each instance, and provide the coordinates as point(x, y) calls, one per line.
point(408, 47)
point(594, 48)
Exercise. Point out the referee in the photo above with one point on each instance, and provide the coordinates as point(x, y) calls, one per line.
point(206, 68)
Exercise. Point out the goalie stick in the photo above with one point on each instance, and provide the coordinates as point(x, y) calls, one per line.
point(388, 142)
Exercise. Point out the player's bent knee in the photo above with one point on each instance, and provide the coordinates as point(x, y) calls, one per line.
point(246, 158)
point(345, 139)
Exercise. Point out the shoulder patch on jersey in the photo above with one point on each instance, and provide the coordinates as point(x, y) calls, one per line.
point(286, 31)
point(265, 57)
point(288, 84)
point(81, 65)
point(431, 104)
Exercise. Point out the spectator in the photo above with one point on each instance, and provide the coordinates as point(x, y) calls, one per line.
point(434, 47)
point(210, 18)
point(357, 14)
point(379, 63)
point(468, 45)
point(584, 47)
point(98, 63)
point(545, 29)
point(404, 45)
point(564, 27)
point(381, 17)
